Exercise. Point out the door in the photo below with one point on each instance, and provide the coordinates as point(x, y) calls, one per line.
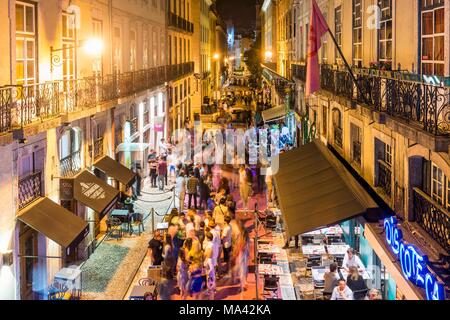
point(28, 266)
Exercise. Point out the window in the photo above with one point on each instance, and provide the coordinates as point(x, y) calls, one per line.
point(437, 184)
point(117, 49)
point(145, 59)
point(385, 32)
point(388, 154)
point(25, 43)
point(163, 48)
point(133, 48)
point(97, 32)
point(357, 33)
point(155, 47)
point(433, 33)
point(68, 44)
point(325, 44)
point(338, 31)
point(356, 137)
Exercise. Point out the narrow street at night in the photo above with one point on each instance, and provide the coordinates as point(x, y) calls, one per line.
point(225, 158)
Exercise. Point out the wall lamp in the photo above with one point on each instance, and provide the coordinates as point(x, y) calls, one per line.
point(93, 47)
point(6, 258)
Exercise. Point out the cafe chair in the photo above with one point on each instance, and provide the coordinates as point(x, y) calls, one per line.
point(147, 282)
point(271, 288)
point(114, 228)
point(326, 261)
point(138, 221)
point(314, 261)
point(306, 289)
point(58, 291)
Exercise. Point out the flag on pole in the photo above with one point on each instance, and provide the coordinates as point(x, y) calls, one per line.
point(318, 27)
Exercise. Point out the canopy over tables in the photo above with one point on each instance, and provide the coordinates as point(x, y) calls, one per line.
point(115, 170)
point(316, 190)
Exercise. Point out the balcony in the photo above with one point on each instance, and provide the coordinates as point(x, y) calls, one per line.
point(24, 105)
point(133, 126)
point(30, 189)
point(418, 103)
point(70, 165)
point(299, 72)
point(180, 23)
point(384, 178)
point(433, 218)
point(98, 149)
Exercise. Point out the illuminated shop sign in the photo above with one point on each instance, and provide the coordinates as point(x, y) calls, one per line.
point(414, 264)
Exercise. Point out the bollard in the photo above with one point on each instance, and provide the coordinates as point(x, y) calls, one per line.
point(153, 220)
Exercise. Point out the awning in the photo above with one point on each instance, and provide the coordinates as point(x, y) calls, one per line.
point(55, 222)
point(94, 193)
point(315, 190)
point(274, 113)
point(115, 170)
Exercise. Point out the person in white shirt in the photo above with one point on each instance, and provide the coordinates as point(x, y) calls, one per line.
point(180, 190)
point(226, 242)
point(352, 260)
point(342, 292)
point(215, 231)
point(190, 228)
point(210, 263)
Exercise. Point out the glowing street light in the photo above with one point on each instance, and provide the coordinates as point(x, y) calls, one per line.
point(268, 54)
point(93, 47)
point(216, 56)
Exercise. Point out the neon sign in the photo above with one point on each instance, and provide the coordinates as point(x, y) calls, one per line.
point(413, 263)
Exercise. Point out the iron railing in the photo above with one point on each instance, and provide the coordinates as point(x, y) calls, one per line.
point(98, 148)
point(71, 165)
point(23, 105)
point(433, 218)
point(299, 71)
point(178, 22)
point(384, 178)
point(30, 189)
point(424, 105)
point(357, 152)
point(134, 126)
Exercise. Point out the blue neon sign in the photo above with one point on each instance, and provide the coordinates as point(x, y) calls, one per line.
point(413, 263)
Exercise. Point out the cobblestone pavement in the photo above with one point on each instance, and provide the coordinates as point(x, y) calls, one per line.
point(125, 273)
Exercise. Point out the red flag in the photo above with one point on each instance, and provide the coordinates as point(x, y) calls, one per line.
point(318, 27)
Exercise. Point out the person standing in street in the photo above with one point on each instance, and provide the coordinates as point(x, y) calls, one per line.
point(162, 173)
point(153, 165)
point(244, 187)
point(192, 185)
point(180, 190)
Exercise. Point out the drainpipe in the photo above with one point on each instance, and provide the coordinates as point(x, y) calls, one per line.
point(110, 5)
point(10, 43)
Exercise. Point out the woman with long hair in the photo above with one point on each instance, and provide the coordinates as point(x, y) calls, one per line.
point(168, 264)
point(182, 274)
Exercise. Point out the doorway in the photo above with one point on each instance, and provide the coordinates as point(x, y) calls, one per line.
point(28, 240)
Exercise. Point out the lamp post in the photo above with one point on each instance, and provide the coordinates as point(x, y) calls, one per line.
point(91, 46)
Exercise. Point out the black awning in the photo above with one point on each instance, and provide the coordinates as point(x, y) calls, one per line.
point(94, 193)
point(55, 222)
point(315, 190)
point(115, 170)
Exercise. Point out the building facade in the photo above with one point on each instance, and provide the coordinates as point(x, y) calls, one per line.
point(65, 104)
point(390, 128)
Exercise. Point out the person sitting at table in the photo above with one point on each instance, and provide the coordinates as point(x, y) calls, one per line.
point(357, 284)
point(331, 279)
point(342, 291)
point(352, 260)
point(374, 294)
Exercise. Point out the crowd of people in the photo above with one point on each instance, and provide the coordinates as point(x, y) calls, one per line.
point(199, 249)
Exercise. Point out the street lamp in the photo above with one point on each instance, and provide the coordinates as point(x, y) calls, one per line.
point(92, 46)
point(268, 54)
point(216, 56)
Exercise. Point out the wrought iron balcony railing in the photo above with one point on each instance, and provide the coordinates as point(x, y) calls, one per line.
point(30, 189)
point(71, 165)
point(433, 218)
point(384, 178)
point(23, 105)
point(416, 102)
point(180, 23)
point(133, 126)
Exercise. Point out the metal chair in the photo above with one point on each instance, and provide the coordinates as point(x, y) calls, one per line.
point(147, 282)
point(271, 287)
point(114, 227)
point(138, 221)
point(57, 291)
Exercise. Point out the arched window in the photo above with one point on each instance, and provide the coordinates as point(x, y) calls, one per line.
point(337, 118)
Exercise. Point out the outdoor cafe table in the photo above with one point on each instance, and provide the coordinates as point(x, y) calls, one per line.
point(337, 249)
point(123, 215)
point(318, 274)
point(313, 250)
point(269, 249)
point(270, 269)
point(139, 292)
point(72, 279)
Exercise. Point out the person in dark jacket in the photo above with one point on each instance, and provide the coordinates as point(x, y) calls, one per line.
point(330, 281)
point(204, 193)
point(357, 284)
